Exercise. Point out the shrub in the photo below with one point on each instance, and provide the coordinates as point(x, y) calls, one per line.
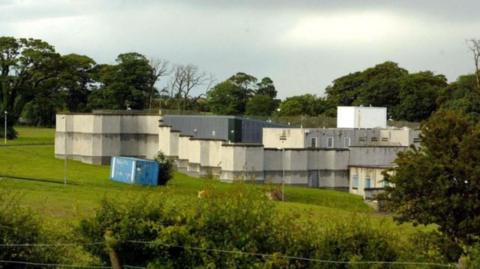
point(166, 169)
point(226, 229)
point(20, 226)
point(472, 257)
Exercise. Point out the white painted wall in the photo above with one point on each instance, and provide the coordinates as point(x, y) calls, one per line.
point(374, 173)
point(361, 117)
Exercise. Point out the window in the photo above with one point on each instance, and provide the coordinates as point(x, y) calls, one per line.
point(368, 182)
point(354, 181)
point(347, 142)
point(313, 142)
point(330, 142)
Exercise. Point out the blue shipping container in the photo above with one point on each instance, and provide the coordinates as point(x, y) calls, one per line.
point(134, 171)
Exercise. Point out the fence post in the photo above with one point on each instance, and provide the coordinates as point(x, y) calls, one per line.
point(110, 243)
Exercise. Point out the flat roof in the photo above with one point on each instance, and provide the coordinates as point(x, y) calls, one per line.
point(371, 166)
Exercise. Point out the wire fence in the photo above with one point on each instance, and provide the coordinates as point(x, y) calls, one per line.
point(203, 249)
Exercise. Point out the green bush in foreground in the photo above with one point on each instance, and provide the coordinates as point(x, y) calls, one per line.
point(19, 229)
point(233, 229)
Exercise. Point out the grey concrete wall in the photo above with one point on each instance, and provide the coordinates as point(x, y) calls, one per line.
point(95, 138)
point(374, 156)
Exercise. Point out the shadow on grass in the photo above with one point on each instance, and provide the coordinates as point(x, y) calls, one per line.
point(44, 180)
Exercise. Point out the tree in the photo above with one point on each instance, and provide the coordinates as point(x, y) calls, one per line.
point(344, 90)
point(461, 95)
point(230, 97)
point(474, 46)
point(185, 79)
point(376, 86)
point(439, 182)
point(418, 96)
point(261, 105)
point(226, 99)
point(77, 81)
point(266, 87)
point(306, 104)
point(159, 69)
point(382, 85)
point(26, 66)
point(126, 85)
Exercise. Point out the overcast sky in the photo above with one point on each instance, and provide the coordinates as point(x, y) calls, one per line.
point(303, 45)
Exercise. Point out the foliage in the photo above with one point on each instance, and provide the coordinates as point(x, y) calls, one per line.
point(462, 95)
point(418, 95)
point(226, 98)
point(472, 258)
point(307, 104)
point(166, 169)
point(438, 183)
point(261, 105)
point(224, 230)
point(77, 81)
point(19, 226)
point(27, 67)
point(241, 94)
point(410, 97)
point(125, 85)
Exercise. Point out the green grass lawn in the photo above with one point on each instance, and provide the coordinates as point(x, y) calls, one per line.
point(88, 184)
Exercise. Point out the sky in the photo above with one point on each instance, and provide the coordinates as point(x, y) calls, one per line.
point(302, 45)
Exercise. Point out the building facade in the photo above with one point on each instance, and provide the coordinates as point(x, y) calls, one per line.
point(233, 148)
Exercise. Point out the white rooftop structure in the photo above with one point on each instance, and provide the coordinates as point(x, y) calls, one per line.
point(361, 117)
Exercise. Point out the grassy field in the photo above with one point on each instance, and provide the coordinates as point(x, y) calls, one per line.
point(42, 188)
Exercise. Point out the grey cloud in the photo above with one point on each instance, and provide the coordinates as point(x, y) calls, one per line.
point(223, 37)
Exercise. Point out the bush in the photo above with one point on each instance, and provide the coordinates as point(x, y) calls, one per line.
point(19, 226)
point(472, 258)
point(232, 230)
point(166, 169)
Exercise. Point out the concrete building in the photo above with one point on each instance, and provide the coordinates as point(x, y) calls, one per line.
point(234, 148)
point(94, 138)
point(228, 128)
point(337, 138)
point(366, 165)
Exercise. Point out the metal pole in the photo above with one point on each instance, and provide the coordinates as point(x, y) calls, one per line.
point(65, 151)
point(5, 129)
point(283, 173)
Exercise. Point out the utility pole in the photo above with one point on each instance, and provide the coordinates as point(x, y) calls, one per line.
point(283, 137)
point(5, 129)
point(65, 137)
point(283, 173)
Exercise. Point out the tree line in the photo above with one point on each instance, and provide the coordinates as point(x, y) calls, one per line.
point(36, 82)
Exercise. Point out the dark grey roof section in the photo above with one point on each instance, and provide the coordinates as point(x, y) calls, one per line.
point(228, 128)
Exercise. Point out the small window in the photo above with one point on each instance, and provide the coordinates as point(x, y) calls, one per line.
point(362, 139)
point(368, 182)
point(213, 133)
point(347, 142)
point(374, 139)
point(385, 139)
point(355, 181)
point(330, 143)
point(313, 142)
